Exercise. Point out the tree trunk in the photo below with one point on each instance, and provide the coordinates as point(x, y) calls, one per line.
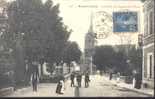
point(69, 67)
point(41, 69)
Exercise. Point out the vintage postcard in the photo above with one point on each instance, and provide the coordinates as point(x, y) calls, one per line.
point(77, 48)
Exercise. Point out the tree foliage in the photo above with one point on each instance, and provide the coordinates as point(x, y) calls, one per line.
point(44, 32)
point(135, 58)
point(36, 32)
point(71, 53)
point(106, 58)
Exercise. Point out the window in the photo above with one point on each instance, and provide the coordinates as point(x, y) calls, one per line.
point(150, 65)
point(150, 62)
point(151, 23)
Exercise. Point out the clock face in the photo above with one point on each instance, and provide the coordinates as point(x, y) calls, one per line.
point(102, 24)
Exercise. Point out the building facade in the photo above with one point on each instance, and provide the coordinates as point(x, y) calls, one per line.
point(148, 44)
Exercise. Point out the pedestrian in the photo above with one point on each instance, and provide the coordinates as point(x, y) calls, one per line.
point(79, 78)
point(34, 82)
point(87, 80)
point(63, 84)
point(72, 79)
point(134, 78)
point(137, 80)
point(110, 76)
point(35, 76)
point(118, 77)
point(59, 87)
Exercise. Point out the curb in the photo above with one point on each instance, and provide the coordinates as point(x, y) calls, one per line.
point(137, 91)
point(140, 92)
point(22, 90)
point(6, 91)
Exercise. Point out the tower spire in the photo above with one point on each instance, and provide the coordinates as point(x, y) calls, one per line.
point(91, 24)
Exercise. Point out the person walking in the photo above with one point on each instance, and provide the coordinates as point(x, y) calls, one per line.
point(72, 79)
point(34, 82)
point(134, 78)
point(59, 87)
point(118, 77)
point(79, 78)
point(87, 80)
point(35, 76)
point(110, 76)
point(137, 80)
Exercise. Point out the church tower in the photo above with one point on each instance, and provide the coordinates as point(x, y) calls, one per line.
point(89, 46)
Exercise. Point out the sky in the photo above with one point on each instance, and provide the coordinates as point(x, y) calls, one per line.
point(76, 15)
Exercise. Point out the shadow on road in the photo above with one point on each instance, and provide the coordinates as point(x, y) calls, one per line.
point(124, 90)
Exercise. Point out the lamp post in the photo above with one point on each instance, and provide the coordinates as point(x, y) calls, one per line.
point(91, 65)
point(140, 43)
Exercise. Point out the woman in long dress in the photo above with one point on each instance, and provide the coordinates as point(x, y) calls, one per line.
point(134, 78)
point(60, 87)
point(118, 77)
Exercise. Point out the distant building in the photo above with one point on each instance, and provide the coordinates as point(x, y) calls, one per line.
point(148, 43)
point(89, 49)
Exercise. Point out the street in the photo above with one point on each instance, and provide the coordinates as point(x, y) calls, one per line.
point(99, 87)
point(44, 90)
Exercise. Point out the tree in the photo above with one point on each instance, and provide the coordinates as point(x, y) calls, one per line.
point(104, 57)
point(142, 0)
point(120, 62)
point(71, 53)
point(44, 33)
point(135, 58)
point(6, 59)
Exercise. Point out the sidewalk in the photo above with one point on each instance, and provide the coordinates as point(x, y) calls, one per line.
point(6, 91)
point(146, 91)
point(44, 90)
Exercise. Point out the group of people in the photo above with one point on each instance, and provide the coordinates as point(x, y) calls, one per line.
point(79, 79)
point(61, 84)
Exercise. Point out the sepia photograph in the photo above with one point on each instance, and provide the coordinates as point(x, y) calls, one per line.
point(77, 48)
